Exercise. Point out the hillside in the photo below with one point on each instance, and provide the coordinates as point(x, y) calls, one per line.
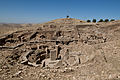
point(61, 49)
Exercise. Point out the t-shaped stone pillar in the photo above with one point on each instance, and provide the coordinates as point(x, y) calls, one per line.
point(57, 51)
point(54, 53)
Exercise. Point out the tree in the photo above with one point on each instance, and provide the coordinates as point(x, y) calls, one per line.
point(67, 16)
point(101, 20)
point(94, 20)
point(106, 20)
point(88, 20)
point(112, 20)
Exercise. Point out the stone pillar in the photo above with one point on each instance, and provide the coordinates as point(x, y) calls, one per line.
point(47, 54)
point(53, 55)
point(37, 46)
point(57, 51)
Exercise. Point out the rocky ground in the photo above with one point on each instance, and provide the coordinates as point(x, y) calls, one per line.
point(62, 49)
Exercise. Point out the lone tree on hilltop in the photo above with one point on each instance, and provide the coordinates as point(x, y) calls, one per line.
point(94, 20)
point(101, 20)
point(88, 20)
point(67, 16)
point(106, 20)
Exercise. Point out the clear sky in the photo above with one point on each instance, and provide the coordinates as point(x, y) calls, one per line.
point(37, 11)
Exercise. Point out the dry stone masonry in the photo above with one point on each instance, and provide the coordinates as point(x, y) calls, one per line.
point(52, 43)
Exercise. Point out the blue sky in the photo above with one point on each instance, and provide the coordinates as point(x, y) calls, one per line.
point(37, 11)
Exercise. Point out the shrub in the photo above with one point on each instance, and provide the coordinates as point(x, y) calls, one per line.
point(106, 20)
point(101, 20)
point(112, 20)
point(88, 20)
point(94, 20)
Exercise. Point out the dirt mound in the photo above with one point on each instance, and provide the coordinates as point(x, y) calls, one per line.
point(62, 49)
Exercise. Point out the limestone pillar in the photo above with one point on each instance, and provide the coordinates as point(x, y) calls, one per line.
point(47, 54)
point(57, 51)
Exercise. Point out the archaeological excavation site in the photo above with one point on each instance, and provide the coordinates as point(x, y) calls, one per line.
point(61, 49)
